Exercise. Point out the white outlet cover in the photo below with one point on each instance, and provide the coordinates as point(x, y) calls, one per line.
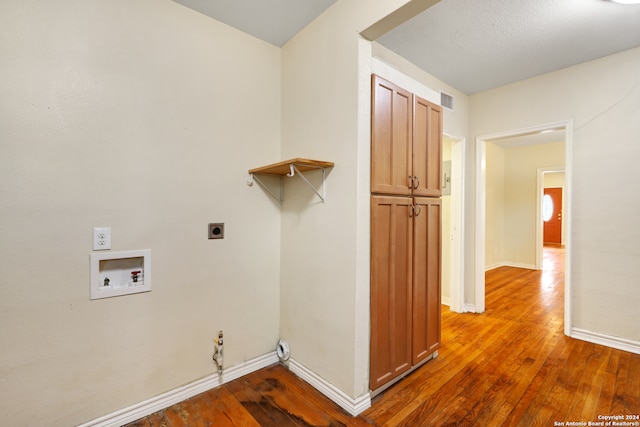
point(101, 238)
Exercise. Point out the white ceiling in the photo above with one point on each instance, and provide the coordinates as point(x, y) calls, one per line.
point(274, 21)
point(482, 44)
point(473, 45)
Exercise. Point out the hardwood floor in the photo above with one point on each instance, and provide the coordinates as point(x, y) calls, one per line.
point(509, 366)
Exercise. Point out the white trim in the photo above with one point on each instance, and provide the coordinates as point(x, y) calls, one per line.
point(606, 340)
point(481, 158)
point(446, 301)
point(493, 266)
point(511, 264)
point(481, 212)
point(468, 308)
point(353, 406)
point(456, 270)
point(540, 223)
point(567, 215)
point(162, 401)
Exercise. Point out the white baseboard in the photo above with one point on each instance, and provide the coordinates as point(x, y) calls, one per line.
point(446, 301)
point(468, 308)
point(492, 266)
point(352, 406)
point(162, 401)
point(511, 264)
point(520, 265)
point(606, 340)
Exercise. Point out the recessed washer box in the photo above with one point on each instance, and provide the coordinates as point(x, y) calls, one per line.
point(120, 273)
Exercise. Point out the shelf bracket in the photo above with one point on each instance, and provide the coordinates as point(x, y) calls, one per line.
point(323, 195)
point(279, 197)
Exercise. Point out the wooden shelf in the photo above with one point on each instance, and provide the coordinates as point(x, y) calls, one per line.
point(284, 167)
point(290, 168)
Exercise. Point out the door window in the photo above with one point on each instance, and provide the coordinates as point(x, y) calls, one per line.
point(547, 207)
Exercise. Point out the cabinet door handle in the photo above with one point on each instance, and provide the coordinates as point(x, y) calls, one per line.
point(410, 182)
point(412, 211)
point(416, 182)
point(418, 209)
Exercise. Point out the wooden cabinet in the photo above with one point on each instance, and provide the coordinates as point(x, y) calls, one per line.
point(391, 288)
point(427, 148)
point(391, 138)
point(405, 284)
point(406, 142)
point(405, 231)
point(426, 277)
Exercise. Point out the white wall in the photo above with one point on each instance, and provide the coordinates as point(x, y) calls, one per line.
point(143, 116)
point(319, 81)
point(554, 179)
point(494, 206)
point(602, 98)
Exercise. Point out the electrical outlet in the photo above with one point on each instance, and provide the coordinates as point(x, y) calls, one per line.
point(216, 230)
point(101, 238)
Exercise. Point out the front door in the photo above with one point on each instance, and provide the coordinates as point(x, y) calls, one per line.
point(552, 215)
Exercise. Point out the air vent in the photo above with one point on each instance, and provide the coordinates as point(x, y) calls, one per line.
point(446, 101)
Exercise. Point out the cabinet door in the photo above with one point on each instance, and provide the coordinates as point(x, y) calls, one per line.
point(391, 137)
point(427, 148)
point(426, 277)
point(391, 291)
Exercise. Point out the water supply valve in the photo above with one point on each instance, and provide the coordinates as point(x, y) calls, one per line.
point(135, 275)
point(217, 355)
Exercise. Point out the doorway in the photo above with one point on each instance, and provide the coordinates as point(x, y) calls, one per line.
point(452, 224)
point(481, 205)
point(552, 216)
point(549, 177)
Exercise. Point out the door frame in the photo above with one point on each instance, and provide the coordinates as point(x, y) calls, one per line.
point(456, 253)
point(540, 222)
point(480, 213)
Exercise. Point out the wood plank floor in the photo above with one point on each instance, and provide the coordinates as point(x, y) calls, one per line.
point(510, 366)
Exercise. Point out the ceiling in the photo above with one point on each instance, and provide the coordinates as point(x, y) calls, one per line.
point(472, 45)
point(482, 44)
point(274, 21)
